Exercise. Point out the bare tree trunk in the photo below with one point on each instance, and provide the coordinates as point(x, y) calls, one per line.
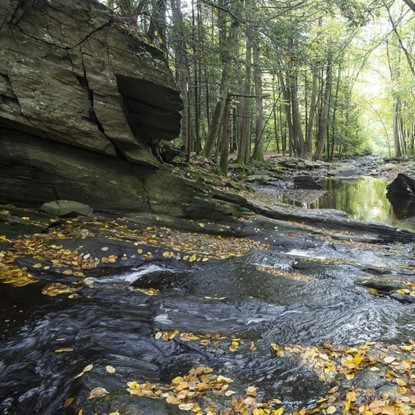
point(394, 74)
point(258, 154)
point(245, 139)
point(311, 117)
point(296, 118)
point(330, 149)
point(287, 110)
point(157, 30)
point(322, 130)
point(225, 39)
point(396, 137)
point(182, 75)
point(216, 123)
point(224, 151)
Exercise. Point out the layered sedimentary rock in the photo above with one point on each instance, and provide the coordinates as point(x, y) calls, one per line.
point(83, 101)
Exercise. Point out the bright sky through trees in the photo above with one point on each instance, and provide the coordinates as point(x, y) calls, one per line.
point(314, 79)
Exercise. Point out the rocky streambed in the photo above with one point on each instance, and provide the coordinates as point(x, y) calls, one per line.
point(139, 314)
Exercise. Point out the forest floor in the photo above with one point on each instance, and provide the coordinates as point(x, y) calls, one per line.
point(50, 265)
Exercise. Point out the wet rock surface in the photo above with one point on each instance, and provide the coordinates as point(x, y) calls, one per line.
point(287, 308)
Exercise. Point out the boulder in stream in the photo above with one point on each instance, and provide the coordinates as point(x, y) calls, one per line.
point(403, 186)
point(306, 182)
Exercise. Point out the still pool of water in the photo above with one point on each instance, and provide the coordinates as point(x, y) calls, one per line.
point(363, 199)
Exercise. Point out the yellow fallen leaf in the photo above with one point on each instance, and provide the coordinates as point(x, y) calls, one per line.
point(400, 382)
point(110, 369)
point(357, 360)
point(97, 393)
point(192, 258)
point(250, 401)
point(88, 368)
point(221, 379)
point(104, 248)
point(177, 380)
point(347, 405)
point(406, 348)
point(64, 349)
point(251, 391)
point(186, 406)
point(278, 411)
point(331, 410)
point(351, 396)
point(173, 400)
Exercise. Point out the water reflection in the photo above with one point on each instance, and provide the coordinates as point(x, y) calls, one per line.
point(363, 199)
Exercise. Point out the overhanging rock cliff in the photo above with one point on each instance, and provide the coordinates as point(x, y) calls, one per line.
point(82, 102)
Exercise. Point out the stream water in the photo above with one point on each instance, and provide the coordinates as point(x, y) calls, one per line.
point(111, 323)
point(363, 199)
point(46, 341)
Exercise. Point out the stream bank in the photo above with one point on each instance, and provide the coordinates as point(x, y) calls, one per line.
point(288, 311)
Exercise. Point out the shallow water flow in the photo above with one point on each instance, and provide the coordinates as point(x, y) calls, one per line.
point(282, 296)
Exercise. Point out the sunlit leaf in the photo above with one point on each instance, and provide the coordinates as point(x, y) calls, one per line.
point(97, 393)
point(110, 369)
point(186, 406)
point(173, 400)
point(64, 350)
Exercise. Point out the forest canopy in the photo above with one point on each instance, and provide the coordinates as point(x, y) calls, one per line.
point(312, 79)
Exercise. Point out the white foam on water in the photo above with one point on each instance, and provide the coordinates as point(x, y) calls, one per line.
point(129, 277)
point(304, 254)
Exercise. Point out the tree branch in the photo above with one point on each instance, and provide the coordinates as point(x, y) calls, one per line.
point(410, 4)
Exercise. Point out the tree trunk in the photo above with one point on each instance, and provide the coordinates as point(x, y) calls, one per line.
point(258, 154)
point(182, 75)
point(215, 125)
point(287, 110)
point(157, 30)
point(311, 117)
point(245, 139)
point(322, 130)
point(396, 135)
point(296, 118)
point(224, 151)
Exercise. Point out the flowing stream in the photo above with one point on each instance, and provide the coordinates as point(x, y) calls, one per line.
point(112, 323)
point(315, 296)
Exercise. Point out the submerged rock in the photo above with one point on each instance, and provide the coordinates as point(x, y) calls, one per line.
point(306, 182)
